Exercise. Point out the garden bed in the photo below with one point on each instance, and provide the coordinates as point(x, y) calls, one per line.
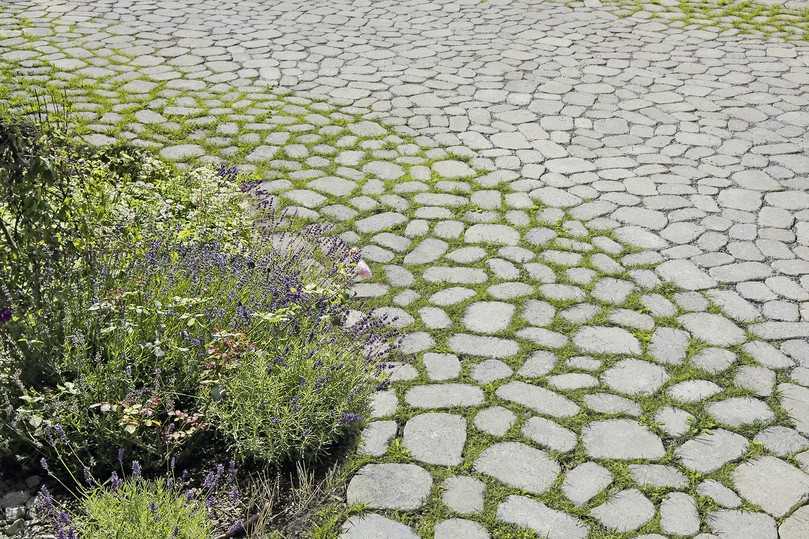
point(176, 353)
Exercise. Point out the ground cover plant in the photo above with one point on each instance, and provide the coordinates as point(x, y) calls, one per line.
point(167, 314)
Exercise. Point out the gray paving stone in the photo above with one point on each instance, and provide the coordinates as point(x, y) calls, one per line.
point(795, 401)
point(441, 367)
point(518, 465)
point(451, 296)
point(464, 495)
point(685, 274)
point(457, 527)
point(658, 476)
point(182, 152)
point(475, 345)
point(736, 524)
point(390, 486)
point(767, 355)
point(444, 396)
point(545, 432)
point(491, 233)
point(541, 400)
point(679, 515)
point(635, 377)
point(383, 404)
point(584, 481)
point(495, 420)
point(795, 526)
point(606, 340)
point(625, 511)
point(550, 523)
point(435, 438)
point(379, 222)
point(782, 441)
point(738, 411)
point(454, 275)
point(608, 439)
point(607, 403)
point(376, 436)
point(490, 370)
point(674, 421)
point(429, 250)
point(713, 329)
point(693, 391)
point(719, 493)
point(714, 360)
point(711, 450)
point(771, 484)
point(488, 316)
point(373, 526)
point(669, 345)
point(759, 380)
point(539, 363)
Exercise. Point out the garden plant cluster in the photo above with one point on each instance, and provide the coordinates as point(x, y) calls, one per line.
point(164, 333)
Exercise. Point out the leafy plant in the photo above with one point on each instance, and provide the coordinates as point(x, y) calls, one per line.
point(51, 209)
point(130, 509)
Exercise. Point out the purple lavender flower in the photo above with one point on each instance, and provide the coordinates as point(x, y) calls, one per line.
point(5, 314)
point(44, 463)
point(115, 481)
point(136, 469)
point(45, 501)
point(351, 417)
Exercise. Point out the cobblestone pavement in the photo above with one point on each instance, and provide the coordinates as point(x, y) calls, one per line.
point(594, 232)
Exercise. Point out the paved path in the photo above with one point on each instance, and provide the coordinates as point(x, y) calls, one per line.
point(593, 230)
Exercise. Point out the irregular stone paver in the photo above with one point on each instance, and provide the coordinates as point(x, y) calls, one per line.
point(742, 524)
point(642, 202)
point(457, 527)
point(605, 340)
point(538, 399)
point(444, 396)
point(390, 486)
point(625, 511)
point(711, 450)
point(622, 439)
point(679, 515)
point(796, 525)
point(372, 526)
point(527, 513)
point(435, 438)
point(713, 329)
point(518, 465)
point(772, 484)
point(585, 481)
point(464, 494)
point(635, 377)
point(376, 436)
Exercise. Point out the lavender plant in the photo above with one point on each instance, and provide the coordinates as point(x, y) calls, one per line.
point(136, 507)
point(189, 338)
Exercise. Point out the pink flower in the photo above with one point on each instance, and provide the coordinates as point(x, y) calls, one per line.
point(362, 271)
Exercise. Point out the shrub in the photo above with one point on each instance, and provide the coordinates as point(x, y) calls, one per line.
point(51, 210)
point(141, 509)
point(132, 509)
point(62, 203)
point(181, 320)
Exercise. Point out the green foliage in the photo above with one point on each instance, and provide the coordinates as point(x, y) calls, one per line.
point(177, 315)
point(296, 395)
point(141, 509)
point(51, 206)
